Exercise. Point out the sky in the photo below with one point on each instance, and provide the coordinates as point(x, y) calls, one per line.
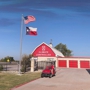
point(63, 21)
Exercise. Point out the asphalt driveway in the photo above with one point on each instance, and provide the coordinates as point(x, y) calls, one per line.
point(65, 79)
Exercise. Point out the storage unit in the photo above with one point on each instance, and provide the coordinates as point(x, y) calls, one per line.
point(46, 52)
point(84, 64)
point(62, 63)
point(73, 63)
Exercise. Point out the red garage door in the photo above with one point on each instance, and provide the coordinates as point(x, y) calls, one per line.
point(84, 64)
point(62, 63)
point(73, 63)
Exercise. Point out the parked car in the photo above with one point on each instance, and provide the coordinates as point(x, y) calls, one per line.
point(48, 72)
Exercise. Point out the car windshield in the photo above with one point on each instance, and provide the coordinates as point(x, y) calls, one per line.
point(48, 67)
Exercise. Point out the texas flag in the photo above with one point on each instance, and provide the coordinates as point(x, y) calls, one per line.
point(28, 19)
point(31, 31)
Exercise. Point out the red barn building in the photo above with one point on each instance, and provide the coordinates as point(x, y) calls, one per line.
point(45, 52)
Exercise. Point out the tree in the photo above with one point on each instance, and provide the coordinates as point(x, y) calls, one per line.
point(63, 49)
point(7, 58)
point(25, 63)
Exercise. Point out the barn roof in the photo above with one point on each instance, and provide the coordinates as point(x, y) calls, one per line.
point(58, 53)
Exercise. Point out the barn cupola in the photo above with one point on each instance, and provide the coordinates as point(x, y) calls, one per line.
point(50, 44)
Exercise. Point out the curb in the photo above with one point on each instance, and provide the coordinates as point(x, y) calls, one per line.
point(27, 82)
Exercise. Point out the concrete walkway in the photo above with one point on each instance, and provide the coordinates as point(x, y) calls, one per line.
point(65, 79)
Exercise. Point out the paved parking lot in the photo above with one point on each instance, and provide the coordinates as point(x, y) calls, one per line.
point(65, 79)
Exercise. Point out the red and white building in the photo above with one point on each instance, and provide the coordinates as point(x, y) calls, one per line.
point(45, 52)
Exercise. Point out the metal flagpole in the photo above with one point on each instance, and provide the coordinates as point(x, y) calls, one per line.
point(21, 44)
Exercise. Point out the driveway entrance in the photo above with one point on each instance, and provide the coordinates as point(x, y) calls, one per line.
point(65, 79)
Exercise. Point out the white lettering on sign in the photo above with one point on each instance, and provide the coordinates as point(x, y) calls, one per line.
point(43, 54)
point(43, 50)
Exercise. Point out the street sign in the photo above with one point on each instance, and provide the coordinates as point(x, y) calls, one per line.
point(8, 60)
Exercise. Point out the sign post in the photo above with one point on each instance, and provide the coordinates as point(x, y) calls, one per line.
point(6, 63)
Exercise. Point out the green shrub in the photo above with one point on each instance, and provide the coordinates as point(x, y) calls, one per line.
point(23, 69)
point(1, 67)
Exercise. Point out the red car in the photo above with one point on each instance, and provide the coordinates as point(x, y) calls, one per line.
point(49, 71)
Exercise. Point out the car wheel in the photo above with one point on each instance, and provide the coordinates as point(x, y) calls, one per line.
point(41, 75)
point(54, 74)
point(50, 75)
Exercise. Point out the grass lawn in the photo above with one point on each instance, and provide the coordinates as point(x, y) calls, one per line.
point(8, 80)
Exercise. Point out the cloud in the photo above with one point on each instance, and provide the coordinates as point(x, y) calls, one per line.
point(7, 31)
point(45, 8)
point(25, 5)
point(7, 22)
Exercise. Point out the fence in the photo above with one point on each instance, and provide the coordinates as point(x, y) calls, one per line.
point(10, 66)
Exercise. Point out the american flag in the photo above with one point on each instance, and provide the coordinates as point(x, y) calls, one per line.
point(28, 19)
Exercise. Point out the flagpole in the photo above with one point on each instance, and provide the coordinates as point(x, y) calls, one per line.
point(21, 44)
